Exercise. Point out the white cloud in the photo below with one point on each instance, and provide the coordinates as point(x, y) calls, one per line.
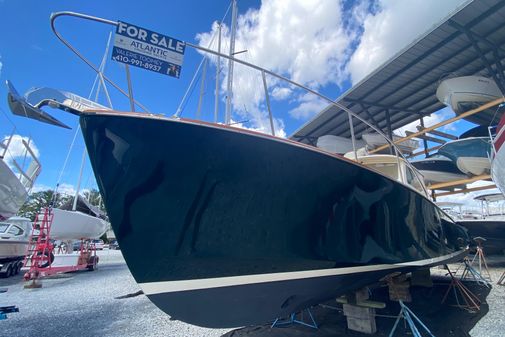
point(467, 199)
point(278, 127)
point(281, 93)
point(392, 28)
point(17, 151)
point(309, 105)
point(317, 43)
point(279, 37)
point(41, 187)
point(1, 65)
point(66, 189)
point(430, 120)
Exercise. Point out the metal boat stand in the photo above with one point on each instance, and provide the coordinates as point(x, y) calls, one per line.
point(501, 280)
point(481, 259)
point(399, 290)
point(411, 320)
point(471, 301)
point(472, 274)
point(7, 310)
point(294, 320)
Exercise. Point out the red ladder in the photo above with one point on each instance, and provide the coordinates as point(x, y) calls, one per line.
point(40, 253)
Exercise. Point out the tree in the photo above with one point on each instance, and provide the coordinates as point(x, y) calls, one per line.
point(94, 198)
point(38, 200)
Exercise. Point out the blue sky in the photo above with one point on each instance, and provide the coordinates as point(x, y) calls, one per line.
point(327, 45)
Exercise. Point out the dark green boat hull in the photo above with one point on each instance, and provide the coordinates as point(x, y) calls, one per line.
point(269, 226)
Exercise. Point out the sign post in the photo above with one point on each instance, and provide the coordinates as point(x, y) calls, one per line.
point(145, 49)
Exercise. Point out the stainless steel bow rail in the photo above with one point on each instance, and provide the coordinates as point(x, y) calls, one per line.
point(263, 71)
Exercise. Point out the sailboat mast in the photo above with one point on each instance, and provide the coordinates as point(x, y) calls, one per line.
point(230, 62)
point(202, 89)
point(218, 68)
point(74, 206)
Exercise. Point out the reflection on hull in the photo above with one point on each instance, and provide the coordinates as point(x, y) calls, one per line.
point(199, 208)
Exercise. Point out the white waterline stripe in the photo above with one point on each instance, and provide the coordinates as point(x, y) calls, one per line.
point(151, 288)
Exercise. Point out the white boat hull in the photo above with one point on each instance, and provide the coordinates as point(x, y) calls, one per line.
point(374, 140)
point(459, 91)
point(435, 177)
point(337, 144)
point(12, 192)
point(73, 225)
point(12, 248)
point(474, 165)
point(14, 237)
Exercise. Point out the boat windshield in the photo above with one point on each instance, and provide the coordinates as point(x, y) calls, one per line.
point(3, 227)
point(412, 180)
point(388, 169)
point(15, 230)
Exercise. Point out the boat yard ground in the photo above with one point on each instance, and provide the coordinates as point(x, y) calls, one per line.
point(105, 303)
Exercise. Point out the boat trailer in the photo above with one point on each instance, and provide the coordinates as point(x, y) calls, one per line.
point(41, 259)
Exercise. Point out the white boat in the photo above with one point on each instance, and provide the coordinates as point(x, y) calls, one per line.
point(74, 225)
point(467, 92)
point(374, 140)
point(438, 169)
point(474, 166)
point(14, 234)
point(15, 181)
point(471, 155)
point(337, 144)
point(83, 223)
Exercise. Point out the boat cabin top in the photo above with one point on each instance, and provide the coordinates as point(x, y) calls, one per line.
point(15, 227)
point(392, 166)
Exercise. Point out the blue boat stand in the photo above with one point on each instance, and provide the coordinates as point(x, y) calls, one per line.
point(293, 320)
point(6, 310)
point(411, 319)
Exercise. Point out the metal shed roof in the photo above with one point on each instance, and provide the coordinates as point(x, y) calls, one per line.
point(470, 41)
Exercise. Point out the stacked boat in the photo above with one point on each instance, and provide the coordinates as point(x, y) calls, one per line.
point(469, 92)
point(459, 159)
point(375, 140)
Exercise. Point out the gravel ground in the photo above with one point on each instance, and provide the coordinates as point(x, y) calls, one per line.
point(85, 304)
point(493, 324)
